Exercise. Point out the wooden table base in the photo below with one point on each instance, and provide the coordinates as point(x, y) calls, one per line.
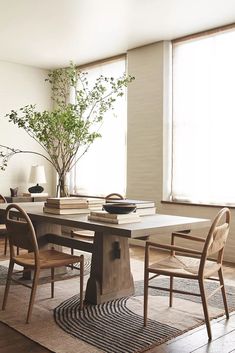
point(110, 276)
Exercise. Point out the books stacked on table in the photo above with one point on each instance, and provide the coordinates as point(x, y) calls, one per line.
point(143, 208)
point(35, 194)
point(113, 218)
point(66, 205)
point(146, 208)
point(94, 204)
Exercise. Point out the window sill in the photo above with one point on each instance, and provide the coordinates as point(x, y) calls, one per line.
point(196, 204)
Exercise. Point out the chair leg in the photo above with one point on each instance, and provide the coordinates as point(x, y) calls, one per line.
point(10, 271)
point(32, 296)
point(72, 251)
point(5, 245)
point(146, 275)
point(52, 281)
point(205, 307)
point(81, 281)
point(221, 278)
point(171, 293)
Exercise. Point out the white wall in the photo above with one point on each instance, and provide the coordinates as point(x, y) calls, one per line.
point(21, 85)
point(148, 110)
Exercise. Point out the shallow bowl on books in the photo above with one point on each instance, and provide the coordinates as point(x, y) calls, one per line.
point(119, 208)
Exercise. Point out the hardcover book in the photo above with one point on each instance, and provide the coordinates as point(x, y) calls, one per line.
point(94, 201)
point(138, 203)
point(65, 200)
point(66, 210)
point(65, 206)
point(146, 211)
point(114, 215)
point(35, 194)
point(114, 220)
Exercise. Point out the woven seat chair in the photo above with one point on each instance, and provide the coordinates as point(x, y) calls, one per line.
point(21, 233)
point(175, 266)
point(3, 230)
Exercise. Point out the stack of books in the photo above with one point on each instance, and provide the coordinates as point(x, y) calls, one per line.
point(66, 205)
point(35, 194)
point(106, 217)
point(143, 208)
point(94, 204)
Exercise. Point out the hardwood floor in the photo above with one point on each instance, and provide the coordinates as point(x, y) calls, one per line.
point(12, 341)
point(195, 341)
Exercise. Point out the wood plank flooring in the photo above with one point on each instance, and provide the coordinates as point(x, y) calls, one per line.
point(12, 341)
point(195, 341)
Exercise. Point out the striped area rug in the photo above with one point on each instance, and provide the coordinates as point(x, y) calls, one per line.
point(114, 328)
point(111, 326)
point(3, 274)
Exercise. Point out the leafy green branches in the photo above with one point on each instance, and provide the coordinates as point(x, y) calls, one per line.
point(73, 125)
point(7, 152)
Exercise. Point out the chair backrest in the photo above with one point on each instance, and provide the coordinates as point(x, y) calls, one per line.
point(2, 199)
point(114, 196)
point(217, 237)
point(20, 231)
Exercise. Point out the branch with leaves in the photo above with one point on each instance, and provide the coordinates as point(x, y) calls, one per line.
point(6, 153)
point(72, 126)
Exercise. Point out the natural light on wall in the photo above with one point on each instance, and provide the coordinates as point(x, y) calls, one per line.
point(102, 170)
point(203, 159)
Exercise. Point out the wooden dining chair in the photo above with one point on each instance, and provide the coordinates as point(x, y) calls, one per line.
point(175, 266)
point(21, 233)
point(3, 230)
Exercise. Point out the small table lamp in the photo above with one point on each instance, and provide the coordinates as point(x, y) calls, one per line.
point(37, 175)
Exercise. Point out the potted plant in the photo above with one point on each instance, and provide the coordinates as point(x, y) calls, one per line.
point(66, 132)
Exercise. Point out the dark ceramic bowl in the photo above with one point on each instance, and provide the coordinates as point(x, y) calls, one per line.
point(119, 208)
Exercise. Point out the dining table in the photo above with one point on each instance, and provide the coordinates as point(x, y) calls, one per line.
point(110, 274)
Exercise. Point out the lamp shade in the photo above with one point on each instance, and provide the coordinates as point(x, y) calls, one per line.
point(37, 174)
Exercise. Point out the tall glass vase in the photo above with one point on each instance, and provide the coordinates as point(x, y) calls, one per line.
point(62, 189)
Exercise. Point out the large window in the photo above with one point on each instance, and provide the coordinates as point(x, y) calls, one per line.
point(102, 170)
point(203, 130)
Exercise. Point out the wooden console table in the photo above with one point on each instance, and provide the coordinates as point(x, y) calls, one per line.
point(110, 276)
point(17, 199)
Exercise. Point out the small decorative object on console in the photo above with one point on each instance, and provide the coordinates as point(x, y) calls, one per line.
point(119, 208)
point(14, 192)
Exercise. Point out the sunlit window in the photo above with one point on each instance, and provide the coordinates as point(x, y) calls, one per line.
point(102, 170)
point(203, 162)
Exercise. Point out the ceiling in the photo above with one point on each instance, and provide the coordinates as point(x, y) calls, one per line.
point(50, 33)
